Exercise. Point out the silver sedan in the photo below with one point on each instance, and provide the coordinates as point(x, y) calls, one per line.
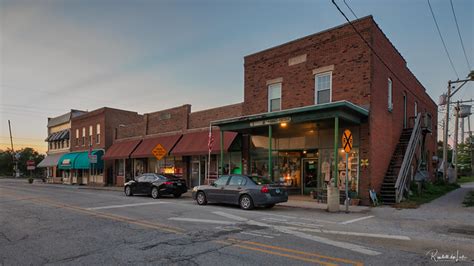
point(246, 191)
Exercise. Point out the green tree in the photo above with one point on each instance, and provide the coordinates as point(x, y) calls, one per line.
point(6, 161)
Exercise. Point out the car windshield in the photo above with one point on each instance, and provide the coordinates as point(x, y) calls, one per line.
point(260, 180)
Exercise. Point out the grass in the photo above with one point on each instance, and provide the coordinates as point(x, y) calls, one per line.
point(466, 179)
point(429, 193)
point(469, 200)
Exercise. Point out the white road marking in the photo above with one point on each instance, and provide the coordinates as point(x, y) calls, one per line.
point(253, 234)
point(274, 219)
point(231, 216)
point(398, 237)
point(126, 205)
point(201, 221)
point(344, 245)
point(294, 232)
point(356, 220)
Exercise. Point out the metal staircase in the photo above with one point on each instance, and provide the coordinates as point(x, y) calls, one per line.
point(400, 171)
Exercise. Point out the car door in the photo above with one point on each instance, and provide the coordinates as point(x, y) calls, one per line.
point(140, 181)
point(216, 191)
point(231, 192)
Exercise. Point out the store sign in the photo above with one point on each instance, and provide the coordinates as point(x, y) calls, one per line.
point(66, 162)
point(93, 159)
point(159, 151)
point(30, 165)
point(270, 121)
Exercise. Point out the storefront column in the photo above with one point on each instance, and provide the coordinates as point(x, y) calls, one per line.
point(270, 168)
point(222, 154)
point(336, 156)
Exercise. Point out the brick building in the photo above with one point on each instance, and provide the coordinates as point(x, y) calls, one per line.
point(59, 132)
point(182, 134)
point(93, 133)
point(298, 94)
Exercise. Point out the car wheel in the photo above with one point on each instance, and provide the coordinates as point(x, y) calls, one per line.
point(155, 193)
point(177, 195)
point(201, 198)
point(128, 191)
point(269, 206)
point(246, 202)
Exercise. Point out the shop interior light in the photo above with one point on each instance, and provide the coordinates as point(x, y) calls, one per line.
point(283, 124)
point(304, 151)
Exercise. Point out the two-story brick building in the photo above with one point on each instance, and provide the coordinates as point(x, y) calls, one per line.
point(300, 96)
point(91, 135)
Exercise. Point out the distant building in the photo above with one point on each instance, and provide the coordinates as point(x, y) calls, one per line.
point(59, 132)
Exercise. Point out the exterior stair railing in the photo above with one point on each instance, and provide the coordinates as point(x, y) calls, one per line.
point(401, 186)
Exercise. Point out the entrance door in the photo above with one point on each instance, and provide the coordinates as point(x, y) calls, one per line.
point(197, 173)
point(310, 175)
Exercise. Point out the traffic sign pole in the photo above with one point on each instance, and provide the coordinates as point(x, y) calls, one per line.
point(346, 202)
point(347, 142)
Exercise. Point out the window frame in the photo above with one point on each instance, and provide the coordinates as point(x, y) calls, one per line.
point(390, 94)
point(316, 90)
point(269, 100)
point(97, 135)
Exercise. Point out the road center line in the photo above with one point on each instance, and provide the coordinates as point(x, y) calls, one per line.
point(126, 205)
point(201, 221)
point(356, 220)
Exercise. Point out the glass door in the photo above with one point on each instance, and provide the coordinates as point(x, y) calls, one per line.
point(310, 175)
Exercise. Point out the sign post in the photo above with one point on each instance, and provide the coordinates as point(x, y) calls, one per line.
point(30, 165)
point(347, 142)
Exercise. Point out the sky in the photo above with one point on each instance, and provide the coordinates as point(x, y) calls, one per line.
point(145, 55)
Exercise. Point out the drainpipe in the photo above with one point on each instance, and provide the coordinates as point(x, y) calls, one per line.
point(336, 157)
point(270, 167)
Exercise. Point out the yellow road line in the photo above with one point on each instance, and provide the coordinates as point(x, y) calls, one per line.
point(296, 251)
point(277, 253)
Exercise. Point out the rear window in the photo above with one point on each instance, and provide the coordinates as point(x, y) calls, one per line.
point(260, 180)
point(168, 176)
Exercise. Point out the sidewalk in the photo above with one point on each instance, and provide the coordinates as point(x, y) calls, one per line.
point(306, 202)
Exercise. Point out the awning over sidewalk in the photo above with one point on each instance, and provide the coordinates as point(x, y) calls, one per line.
point(196, 143)
point(50, 160)
point(122, 149)
point(144, 150)
point(80, 160)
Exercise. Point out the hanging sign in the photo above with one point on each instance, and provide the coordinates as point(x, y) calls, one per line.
point(159, 151)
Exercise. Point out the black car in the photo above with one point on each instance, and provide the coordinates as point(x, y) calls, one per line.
point(246, 191)
point(156, 185)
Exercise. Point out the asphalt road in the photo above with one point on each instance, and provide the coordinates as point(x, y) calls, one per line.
point(57, 224)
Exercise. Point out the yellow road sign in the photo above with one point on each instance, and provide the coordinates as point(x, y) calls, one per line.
point(347, 140)
point(159, 151)
point(364, 162)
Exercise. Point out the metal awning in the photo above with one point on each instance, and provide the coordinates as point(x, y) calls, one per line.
point(343, 109)
point(122, 149)
point(144, 150)
point(80, 160)
point(197, 143)
point(50, 160)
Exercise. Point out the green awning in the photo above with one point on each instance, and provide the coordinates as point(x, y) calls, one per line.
point(80, 160)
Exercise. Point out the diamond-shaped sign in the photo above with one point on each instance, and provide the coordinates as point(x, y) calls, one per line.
point(159, 151)
point(347, 140)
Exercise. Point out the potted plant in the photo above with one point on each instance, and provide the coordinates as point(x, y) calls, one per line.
point(30, 179)
point(355, 200)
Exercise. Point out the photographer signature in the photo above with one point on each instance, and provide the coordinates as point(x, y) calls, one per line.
point(438, 257)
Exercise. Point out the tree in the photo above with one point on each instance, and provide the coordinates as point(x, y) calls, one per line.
point(6, 161)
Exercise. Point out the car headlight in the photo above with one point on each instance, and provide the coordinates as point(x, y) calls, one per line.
point(195, 188)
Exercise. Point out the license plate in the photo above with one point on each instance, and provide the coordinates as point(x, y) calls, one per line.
point(278, 191)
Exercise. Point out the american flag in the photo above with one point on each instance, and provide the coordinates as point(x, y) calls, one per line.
point(210, 141)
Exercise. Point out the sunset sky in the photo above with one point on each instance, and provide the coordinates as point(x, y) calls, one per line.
point(145, 55)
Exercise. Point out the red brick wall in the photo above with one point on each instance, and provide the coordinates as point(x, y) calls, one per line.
point(201, 119)
point(169, 120)
point(84, 121)
point(385, 126)
point(340, 47)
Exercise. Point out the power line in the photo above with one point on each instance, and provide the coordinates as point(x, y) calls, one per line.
point(460, 38)
point(350, 9)
point(370, 47)
point(442, 40)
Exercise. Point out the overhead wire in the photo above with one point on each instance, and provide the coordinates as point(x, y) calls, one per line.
point(460, 37)
point(442, 39)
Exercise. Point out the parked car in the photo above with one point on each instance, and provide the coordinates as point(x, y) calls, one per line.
point(156, 185)
point(246, 191)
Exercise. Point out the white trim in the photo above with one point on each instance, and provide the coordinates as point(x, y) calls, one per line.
point(316, 86)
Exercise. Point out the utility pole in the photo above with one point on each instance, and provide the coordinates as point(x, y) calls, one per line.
point(13, 151)
point(446, 121)
point(454, 159)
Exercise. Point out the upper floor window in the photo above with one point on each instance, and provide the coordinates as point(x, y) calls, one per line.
point(83, 136)
point(390, 94)
point(274, 97)
point(97, 138)
point(77, 137)
point(323, 87)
